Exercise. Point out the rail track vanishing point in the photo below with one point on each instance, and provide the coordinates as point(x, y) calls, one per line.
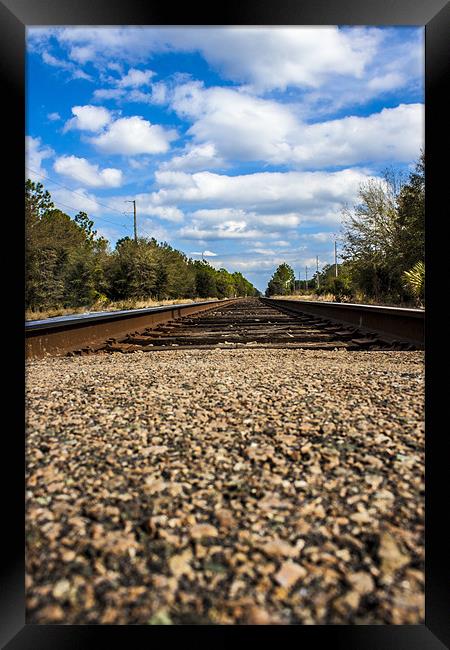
point(243, 323)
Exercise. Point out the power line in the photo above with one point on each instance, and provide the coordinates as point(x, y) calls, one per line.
point(120, 225)
point(83, 196)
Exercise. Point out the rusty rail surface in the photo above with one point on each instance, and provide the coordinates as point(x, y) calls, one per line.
point(389, 323)
point(63, 334)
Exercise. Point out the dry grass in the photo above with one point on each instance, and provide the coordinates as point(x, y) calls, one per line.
point(111, 306)
point(359, 299)
point(328, 297)
point(141, 304)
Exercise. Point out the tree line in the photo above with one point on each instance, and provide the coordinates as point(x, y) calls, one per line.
point(68, 264)
point(383, 246)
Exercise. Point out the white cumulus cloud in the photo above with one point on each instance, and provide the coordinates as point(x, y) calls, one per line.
point(195, 158)
point(82, 170)
point(270, 58)
point(88, 118)
point(35, 153)
point(166, 212)
point(392, 135)
point(135, 78)
point(264, 57)
point(227, 230)
point(311, 194)
point(134, 135)
point(230, 125)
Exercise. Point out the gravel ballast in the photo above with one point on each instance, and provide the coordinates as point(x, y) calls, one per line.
point(226, 487)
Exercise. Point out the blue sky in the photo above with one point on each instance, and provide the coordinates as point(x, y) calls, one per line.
point(241, 143)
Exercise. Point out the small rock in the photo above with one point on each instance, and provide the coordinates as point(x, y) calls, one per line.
point(51, 613)
point(373, 480)
point(203, 530)
point(361, 517)
point(68, 555)
point(226, 519)
point(180, 564)
point(160, 618)
point(361, 582)
point(374, 461)
point(61, 589)
point(289, 573)
point(152, 486)
point(352, 599)
point(157, 449)
point(258, 616)
point(279, 548)
point(391, 556)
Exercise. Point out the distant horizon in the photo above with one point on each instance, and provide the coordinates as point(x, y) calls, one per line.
point(241, 144)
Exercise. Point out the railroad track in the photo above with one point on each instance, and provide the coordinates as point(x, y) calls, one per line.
point(85, 333)
point(246, 324)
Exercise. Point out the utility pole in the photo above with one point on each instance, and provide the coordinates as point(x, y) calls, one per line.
point(317, 264)
point(134, 212)
point(335, 260)
point(306, 278)
point(135, 224)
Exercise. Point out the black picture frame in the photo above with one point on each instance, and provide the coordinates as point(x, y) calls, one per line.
point(15, 15)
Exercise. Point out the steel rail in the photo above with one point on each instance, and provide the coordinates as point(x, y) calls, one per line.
point(62, 334)
point(390, 323)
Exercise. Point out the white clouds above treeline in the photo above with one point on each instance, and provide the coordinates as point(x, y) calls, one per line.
point(259, 146)
point(278, 57)
point(89, 174)
point(35, 153)
point(264, 58)
point(336, 66)
point(88, 118)
point(246, 206)
point(127, 135)
point(134, 135)
point(250, 206)
point(274, 191)
point(228, 125)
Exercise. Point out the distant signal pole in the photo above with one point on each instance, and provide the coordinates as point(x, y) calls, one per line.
point(335, 259)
